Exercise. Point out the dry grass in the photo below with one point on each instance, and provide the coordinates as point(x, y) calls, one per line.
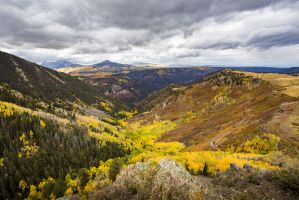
point(286, 123)
point(71, 69)
point(289, 84)
point(286, 120)
point(220, 128)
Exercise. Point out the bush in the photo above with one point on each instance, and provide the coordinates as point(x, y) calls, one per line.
point(115, 168)
point(287, 178)
point(261, 145)
point(83, 177)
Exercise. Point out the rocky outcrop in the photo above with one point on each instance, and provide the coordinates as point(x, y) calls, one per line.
point(169, 180)
point(163, 180)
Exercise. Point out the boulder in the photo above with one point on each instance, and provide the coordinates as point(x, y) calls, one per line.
point(247, 167)
point(234, 167)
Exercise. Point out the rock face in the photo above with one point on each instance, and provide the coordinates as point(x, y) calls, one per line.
point(165, 180)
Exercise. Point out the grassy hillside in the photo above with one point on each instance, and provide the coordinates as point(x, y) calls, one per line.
point(288, 85)
point(223, 112)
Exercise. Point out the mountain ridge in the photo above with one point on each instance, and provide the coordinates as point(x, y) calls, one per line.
point(108, 63)
point(222, 111)
point(34, 86)
point(59, 64)
point(288, 70)
point(24, 76)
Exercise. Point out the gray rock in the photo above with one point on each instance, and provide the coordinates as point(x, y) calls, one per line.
point(263, 172)
point(234, 167)
point(247, 167)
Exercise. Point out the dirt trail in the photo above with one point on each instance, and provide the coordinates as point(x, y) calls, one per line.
point(219, 137)
point(285, 123)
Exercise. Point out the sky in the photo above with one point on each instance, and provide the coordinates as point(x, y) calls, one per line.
point(191, 32)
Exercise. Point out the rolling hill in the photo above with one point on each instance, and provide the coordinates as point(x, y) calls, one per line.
point(226, 110)
point(108, 63)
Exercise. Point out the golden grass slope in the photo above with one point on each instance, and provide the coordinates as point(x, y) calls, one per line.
point(287, 83)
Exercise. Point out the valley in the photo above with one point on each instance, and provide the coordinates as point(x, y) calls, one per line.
point(116, 131)
point(130, 84)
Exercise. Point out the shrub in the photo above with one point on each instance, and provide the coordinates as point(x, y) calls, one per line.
point(261, 145)
point(287, 178)
point(83, 177)
point(115, 168)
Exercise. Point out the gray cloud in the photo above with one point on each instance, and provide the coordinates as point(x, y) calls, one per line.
point(279, 39)
point(122, 28)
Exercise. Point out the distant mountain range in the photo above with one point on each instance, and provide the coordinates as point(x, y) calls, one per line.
point(261, 69)
point(59, 64)
point(65, 63)
point(109, 63)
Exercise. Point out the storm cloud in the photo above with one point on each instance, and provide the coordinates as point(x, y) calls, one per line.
point(171, 31)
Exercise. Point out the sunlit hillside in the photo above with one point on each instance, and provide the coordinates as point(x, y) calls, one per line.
point(224, 111)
